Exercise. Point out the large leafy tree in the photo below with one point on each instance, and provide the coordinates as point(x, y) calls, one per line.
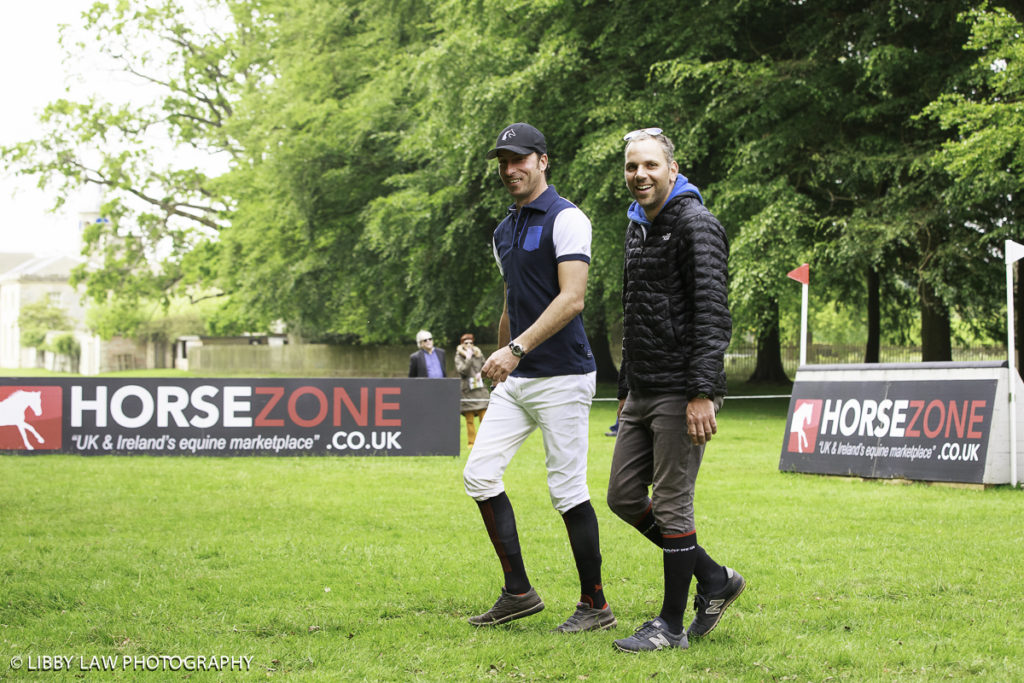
point(37, 319)
point(321, 147)
point(985, 158)
point(155, 212)
point(820, 99)
point(354, 202)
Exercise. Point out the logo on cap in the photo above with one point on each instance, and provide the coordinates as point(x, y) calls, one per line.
point(520, 138)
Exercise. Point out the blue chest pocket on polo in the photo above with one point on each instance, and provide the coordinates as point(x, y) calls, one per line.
point(532, 239)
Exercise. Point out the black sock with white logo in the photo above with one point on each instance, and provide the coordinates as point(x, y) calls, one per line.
point(679, 554)
point(581, 523)
point(500, 521)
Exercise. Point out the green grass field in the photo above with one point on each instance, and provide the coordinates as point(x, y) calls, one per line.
point(366, 569)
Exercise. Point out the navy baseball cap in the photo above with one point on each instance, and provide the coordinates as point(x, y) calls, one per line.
point(521, 138)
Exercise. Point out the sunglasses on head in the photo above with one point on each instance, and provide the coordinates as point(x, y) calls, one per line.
point(637, 133)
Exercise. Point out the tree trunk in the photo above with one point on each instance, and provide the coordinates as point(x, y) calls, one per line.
point(935, 326)
point(874, 345)
point(599, 345)
point(597, 333)
point(768, 368)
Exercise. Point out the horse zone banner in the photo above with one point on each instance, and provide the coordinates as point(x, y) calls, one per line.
point(230, 416)
point(930, 430)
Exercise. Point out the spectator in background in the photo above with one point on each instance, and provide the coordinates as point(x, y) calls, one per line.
point(428, 361)
point(468, 362)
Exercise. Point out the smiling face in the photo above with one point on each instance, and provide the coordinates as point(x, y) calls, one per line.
point(649, 174)
point(523, 175)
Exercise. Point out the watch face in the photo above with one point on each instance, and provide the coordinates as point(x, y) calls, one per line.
point(517, 350)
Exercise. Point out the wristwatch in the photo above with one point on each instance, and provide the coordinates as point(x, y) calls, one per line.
point(516, 349)
point(702, 395)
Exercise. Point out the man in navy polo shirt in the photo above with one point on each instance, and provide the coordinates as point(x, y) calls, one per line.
point(545, 375)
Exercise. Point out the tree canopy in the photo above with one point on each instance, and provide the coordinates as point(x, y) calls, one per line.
point(879, 140)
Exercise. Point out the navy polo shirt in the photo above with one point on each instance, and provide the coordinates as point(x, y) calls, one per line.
point(528, 245)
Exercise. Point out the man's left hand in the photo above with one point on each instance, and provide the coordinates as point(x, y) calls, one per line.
point(700, 420)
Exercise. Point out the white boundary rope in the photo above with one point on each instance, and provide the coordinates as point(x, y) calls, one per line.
point(727, 398)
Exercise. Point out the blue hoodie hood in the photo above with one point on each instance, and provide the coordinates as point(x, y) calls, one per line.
point(636, 212)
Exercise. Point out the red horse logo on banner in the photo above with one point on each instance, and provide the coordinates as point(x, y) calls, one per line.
point(12, 413)
point(806, 417)
point(36, 412)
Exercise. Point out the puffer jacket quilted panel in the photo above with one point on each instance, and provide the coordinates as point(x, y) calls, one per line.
point(676, 324)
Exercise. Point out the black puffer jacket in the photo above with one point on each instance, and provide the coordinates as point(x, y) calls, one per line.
point(676, 323)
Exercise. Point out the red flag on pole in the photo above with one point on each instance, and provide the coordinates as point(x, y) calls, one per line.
point(801, 274)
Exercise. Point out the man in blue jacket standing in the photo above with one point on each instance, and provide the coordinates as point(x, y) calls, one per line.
point(676, 329)
point(545, 375)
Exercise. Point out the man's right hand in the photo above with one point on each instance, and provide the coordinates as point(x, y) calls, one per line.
point(500, 365)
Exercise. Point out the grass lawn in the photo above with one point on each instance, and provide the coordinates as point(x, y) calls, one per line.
point(366, 569)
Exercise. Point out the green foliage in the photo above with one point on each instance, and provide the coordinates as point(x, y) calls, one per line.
point(769, 247)
point(66, 345)
point(146, 320)
point(37, 319)
point(986, 158)
point(67, 349)
point(353, 198)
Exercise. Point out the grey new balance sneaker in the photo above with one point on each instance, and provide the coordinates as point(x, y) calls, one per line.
point(653, 635)
point(711, 607)
point(508, 607)
point(587, 618)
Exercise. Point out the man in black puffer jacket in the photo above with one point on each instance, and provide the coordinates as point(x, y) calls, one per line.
point(677, 327)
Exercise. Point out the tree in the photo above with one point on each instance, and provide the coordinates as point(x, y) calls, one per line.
point(355, 203)
point(822, 99)
point(985, 159)
point(156, 213)
point(39, 318)
point(67, 349)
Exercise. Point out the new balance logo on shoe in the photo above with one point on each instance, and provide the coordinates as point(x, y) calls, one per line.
point(714, 607)
point(659, 641)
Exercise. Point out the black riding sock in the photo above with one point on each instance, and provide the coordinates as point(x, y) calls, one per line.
point(500, 521)
point(679, 557)
point(581, 523)
point(711, 576)
point(648, 527)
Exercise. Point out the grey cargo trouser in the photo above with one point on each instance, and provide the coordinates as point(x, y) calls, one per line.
point(653, 451)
